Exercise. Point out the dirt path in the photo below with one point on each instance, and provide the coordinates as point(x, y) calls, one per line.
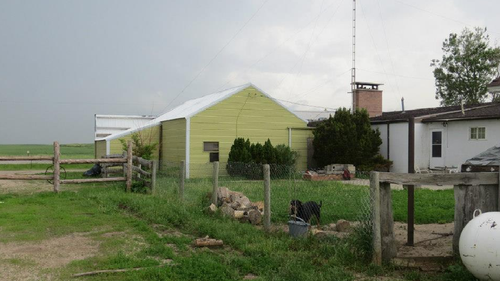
point(30, 260)
point(431, 240)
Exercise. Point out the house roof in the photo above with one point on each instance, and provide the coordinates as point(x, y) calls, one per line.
point(195, 106)
point(446, 113)
point(486, 158)
point(487, 111)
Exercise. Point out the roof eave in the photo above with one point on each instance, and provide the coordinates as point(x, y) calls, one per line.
point(460, 119)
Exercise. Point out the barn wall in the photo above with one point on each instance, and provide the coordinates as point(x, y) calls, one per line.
point(248, 114)
point(299, 144)
point(100, 148)
point(173, 141)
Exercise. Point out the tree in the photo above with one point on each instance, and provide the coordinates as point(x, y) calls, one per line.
point(142, 147)
point(347, 138)
point(467, 66)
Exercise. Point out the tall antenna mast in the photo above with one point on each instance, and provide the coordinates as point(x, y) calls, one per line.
point(353, 69)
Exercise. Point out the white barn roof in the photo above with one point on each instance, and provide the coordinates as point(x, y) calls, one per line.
point(105, 125)
point(195, 106)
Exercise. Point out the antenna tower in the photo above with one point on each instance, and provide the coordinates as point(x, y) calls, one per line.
point(353, 69)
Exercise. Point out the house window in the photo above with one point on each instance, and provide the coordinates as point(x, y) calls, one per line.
point(437, 140)
point(214, 156)
point(210, 146)
point(213, 148)
point(478, 133)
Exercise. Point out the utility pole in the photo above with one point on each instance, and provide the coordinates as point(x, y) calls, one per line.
point(353, 69)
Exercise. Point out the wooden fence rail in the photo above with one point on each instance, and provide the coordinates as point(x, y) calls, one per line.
point(471, 190)
point(124, 161)
point(26, 158)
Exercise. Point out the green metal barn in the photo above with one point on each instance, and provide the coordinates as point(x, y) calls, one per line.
point(202, 130)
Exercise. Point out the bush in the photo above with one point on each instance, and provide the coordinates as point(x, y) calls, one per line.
point(141, 148)
point(377, 163)
point(246, 159)
point(349, 139)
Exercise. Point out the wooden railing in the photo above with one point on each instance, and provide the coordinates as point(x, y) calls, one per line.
point(471, 191)
point(125, 161)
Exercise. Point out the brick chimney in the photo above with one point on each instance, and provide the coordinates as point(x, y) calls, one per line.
point(367, 95)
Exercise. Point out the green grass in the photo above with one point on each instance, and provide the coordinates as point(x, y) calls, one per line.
point(68, 151)
point(248, 250)
point(339, 201)
point(431, 206)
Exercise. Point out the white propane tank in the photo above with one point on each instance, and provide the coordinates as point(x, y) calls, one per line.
point(480, 245)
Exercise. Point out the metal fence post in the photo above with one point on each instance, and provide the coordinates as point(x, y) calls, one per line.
point(267, 198)
point(182, 176)
point(215, 178)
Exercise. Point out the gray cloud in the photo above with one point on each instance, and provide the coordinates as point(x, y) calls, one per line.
point(61, 62)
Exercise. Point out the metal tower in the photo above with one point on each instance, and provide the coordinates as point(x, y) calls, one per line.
point(353, 69)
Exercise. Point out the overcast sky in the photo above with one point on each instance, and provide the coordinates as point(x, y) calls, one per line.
point(61, 62)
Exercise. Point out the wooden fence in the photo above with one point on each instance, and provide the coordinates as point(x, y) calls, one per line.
point(129, 171)
point(472, 191)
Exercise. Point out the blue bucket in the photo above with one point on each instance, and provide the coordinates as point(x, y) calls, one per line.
point(297, 228)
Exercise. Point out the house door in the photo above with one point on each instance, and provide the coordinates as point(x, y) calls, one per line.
point(437, 157)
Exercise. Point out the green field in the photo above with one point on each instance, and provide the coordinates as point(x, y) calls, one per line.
point(68, 151)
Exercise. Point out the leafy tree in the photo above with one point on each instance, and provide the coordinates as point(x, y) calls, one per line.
point(347, 138)
point(467, 66)
point(141, 146)
point(284, 155)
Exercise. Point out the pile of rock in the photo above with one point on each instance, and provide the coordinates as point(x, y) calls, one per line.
point(238, 206)
point(331, 172)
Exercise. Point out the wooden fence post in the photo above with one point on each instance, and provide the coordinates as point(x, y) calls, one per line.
point(377, 240)
point(498, 199)
point(129, 166)
point(387, 238)
point(153, 176)
point(215, 177)
point(182, 176)
point(467, 199)
point(124, 155)
point(57, 166)
point(267, 198)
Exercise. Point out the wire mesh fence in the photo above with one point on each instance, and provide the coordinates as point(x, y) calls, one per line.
point(320, 202)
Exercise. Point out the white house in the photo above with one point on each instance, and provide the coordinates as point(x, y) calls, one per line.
point(444, 136)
